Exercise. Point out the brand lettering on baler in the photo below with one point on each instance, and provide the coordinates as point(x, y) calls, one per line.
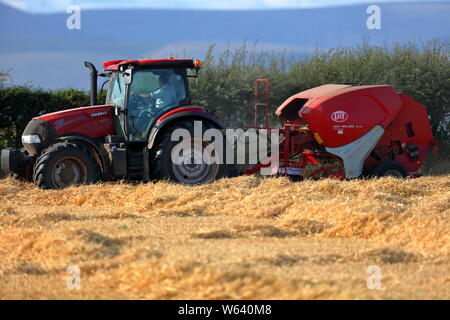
point(339, 116)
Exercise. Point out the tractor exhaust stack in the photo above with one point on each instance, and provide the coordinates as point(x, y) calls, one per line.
point(93, 82)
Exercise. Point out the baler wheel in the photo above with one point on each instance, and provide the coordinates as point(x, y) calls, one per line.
point(64, 164)
point(390, 169)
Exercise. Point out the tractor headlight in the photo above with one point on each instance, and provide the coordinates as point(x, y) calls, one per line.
point(32, 138)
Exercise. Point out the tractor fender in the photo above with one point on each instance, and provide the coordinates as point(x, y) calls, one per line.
point(99, 156)
point(197, 113)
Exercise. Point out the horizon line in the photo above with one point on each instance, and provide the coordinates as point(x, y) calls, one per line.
point(158, 8)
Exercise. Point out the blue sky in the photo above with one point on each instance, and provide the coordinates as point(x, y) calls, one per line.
point(41, 6)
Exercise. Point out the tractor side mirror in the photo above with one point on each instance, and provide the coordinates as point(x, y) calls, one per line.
point(128, 75)
point(118, 111)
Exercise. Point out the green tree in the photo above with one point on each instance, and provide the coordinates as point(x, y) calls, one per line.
point(422, 71)
point(226, 83)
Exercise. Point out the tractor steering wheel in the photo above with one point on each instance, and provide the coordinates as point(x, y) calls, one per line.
point(135, 98)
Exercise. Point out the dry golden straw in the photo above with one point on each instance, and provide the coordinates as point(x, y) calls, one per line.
point(240, 238)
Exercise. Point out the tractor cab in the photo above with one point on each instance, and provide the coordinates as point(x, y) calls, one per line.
point(141, 91)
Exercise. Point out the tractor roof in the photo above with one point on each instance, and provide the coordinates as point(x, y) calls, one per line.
point(113, 65)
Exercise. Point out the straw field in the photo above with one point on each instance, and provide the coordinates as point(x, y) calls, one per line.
point(240, 238)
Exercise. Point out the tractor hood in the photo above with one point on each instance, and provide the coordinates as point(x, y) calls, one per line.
point(93, 122)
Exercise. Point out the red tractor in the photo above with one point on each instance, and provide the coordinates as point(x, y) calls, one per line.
point(128, 137)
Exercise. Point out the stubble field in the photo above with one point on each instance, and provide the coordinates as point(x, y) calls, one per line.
point(240, 238)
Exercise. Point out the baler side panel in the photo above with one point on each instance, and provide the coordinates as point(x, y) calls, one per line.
point(349, 114)
point(355, 153)
point(411, 125)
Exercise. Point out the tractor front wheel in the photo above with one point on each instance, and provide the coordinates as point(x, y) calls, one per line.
point(26, 171)
point(64, 164)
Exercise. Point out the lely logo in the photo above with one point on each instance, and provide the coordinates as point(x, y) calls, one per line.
point(339, 116)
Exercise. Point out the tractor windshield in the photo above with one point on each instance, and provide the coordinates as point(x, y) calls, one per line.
point(152, 93)
point(116, 95)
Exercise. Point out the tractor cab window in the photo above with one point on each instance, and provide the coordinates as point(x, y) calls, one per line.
point(116, 94)
point(152, 93)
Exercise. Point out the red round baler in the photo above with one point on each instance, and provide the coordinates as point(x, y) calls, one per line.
point(347, 131)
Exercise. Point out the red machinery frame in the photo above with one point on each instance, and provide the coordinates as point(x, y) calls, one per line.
point(290, 141)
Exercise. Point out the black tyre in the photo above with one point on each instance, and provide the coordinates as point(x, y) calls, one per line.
point(162, 167)
point(25, 172)
point(64, 164)
point(390, 169)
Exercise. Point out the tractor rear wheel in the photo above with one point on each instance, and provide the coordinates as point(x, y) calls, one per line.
point(390, 169)
point(187, 172)
point(64, 164)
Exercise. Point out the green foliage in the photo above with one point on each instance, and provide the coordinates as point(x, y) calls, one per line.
point(19, 104)
point(226, 82)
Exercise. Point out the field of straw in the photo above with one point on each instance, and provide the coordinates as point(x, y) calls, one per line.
point(240, 238)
